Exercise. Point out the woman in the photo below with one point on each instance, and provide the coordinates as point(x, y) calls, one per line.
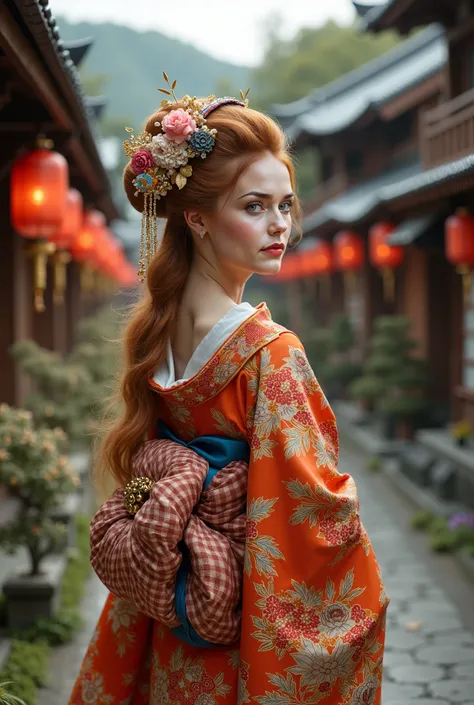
point(202, 364)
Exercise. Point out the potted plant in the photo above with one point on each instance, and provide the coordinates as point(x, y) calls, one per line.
point(461, 432)
point(394, 379)
point(36, 472)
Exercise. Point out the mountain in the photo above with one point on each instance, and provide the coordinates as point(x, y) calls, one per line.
point(133, 63)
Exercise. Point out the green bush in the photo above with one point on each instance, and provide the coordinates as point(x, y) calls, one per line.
point(342, 337)
point(367, 388)
point(422, 520)
point(443, 541)
point(70, 391)
point(445, 534)
point(374, 464)
point(393, 379)
point(26, 669)
point(342, 373)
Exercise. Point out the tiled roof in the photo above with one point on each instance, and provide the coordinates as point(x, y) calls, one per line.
point(359, 202)
point(344, 100)
point(376, 13)
point(341, 103)
point(425, 180)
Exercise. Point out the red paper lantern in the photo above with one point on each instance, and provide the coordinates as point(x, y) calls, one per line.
point(38, 191)
point(382, 254)
point(290, 268)
point(63, 238)
point(86, 240)
point(459, 247)
point(348, 251)
point(323, 259)
point(306, 264)
point(459, 239)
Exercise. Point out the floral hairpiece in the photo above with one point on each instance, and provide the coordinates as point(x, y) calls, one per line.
point(161, 161)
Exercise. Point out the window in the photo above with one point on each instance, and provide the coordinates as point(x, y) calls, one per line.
point(468, 347)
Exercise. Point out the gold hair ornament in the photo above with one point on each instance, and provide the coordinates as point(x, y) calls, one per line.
point(160, 162)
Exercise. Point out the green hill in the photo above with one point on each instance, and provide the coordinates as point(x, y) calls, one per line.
point(133, 61)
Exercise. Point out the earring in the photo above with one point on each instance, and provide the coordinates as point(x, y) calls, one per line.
point(202, 233)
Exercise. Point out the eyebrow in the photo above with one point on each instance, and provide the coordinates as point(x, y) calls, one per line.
point(259, 194)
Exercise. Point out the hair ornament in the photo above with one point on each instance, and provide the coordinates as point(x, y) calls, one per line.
point(161, 162)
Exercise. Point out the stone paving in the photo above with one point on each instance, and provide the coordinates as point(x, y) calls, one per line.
point(429, 657)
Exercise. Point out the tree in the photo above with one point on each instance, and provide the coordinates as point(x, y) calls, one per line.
point(394, 379)
point(315, 56)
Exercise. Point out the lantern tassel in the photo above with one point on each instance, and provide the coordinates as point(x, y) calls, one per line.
point(40, 251)
point(350, 282)
point(60, 260)
point(87, 279)
point(388, 276)
point(467, 278)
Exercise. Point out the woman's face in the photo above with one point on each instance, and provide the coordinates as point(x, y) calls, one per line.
point(250, 228)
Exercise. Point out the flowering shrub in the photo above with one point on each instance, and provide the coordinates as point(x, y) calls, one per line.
point(34, 469)
point(462, 430)
point(451, 534)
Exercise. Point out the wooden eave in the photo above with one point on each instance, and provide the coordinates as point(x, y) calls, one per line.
point(406, 15)
point(32, 66)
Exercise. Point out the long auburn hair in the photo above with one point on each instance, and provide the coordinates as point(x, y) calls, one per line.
point(243, 135)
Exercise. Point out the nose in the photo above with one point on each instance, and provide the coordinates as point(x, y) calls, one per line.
point(278, 223)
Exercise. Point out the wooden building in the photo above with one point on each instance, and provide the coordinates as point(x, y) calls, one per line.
point(394, 139)
point(40, 93)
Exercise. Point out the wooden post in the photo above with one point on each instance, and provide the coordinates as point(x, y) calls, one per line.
point(73, 303)
point(17, 307)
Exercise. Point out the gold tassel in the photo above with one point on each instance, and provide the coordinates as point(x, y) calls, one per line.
point(148, 230)
point(149, 234)
point(155, 227)
point(141, 261)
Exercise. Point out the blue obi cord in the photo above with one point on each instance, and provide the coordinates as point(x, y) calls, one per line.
point(218, 452)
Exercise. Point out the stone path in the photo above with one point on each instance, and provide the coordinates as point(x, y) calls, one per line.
point(429, 657)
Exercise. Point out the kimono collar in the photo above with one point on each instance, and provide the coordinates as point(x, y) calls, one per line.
point(253, 333)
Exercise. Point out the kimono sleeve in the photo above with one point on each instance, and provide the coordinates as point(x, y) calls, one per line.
point(312, 613)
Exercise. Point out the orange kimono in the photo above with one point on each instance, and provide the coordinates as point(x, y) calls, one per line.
point(313, 609)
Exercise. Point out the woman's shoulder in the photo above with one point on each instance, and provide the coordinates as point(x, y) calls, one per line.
point(277, 339)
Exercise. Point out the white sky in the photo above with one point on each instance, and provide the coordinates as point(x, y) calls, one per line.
point(227, 29)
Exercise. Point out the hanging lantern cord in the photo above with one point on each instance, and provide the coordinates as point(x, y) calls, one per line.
point(40, 251)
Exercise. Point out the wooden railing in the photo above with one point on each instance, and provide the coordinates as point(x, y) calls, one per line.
point(447, 131)
point(326, 191)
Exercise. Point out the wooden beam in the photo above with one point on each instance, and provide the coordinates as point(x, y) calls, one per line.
point(416, 96)
point(26, 61)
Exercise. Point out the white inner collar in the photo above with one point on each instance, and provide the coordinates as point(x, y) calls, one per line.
point(165, 376)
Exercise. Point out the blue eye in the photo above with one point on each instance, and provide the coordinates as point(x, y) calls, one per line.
point(250, 208)
point(289, 205)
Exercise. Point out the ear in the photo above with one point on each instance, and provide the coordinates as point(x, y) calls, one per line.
point(194, 221)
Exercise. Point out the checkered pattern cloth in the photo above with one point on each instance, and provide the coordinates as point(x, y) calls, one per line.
point(137, 558)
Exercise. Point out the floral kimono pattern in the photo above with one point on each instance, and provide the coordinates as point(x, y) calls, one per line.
point(314, 605)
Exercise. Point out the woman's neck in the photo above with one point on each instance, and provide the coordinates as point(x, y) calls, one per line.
point(210, 291)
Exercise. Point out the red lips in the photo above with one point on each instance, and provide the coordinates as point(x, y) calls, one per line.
point(275, 246)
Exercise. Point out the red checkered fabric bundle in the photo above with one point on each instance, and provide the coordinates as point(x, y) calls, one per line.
point(137, 558)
